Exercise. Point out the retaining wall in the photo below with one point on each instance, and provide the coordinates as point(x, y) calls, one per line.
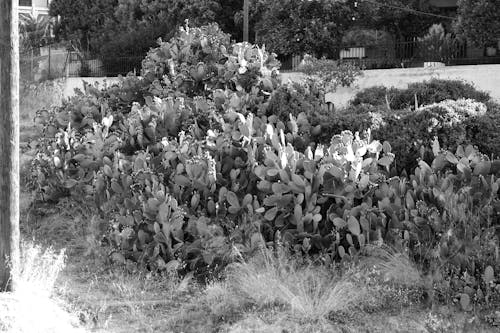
point(484, 77)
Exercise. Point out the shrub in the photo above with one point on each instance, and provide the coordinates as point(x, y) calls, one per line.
point(376, 96)
point(484, 131)
point(330, 72)
point(453, 122)
point(297, 97)
point(427, 92)
point(436, 45)
point(198, 61)
point(436, 90)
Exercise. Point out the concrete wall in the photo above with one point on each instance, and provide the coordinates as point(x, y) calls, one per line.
point(484, 77)
point(73, 83)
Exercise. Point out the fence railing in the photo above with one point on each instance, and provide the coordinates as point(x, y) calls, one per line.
point(47, 62)
point(407, 54)
point(51, 62)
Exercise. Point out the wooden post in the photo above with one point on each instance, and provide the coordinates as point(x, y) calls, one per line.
point(9, 144)
point(246, 9)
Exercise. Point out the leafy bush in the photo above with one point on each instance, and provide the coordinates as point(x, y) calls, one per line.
point(427, 92)
point(436, 45)
point(453, 122)
point(330, 72)
point(197, 61)
point(484, 131)
point(376, 96)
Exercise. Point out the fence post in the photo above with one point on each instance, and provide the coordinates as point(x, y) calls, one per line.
point(49, 76)
point(32, 67)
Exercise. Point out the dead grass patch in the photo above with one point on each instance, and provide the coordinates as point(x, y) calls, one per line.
point(31, 307)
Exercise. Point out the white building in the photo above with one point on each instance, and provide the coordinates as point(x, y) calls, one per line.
point(34, 7)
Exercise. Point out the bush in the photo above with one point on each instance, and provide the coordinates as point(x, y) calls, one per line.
point(484, 131)
point(436, 45)
point(376, 96)
point(330, 72)
point(453, 122)
point(427, 92)
point(294, 98)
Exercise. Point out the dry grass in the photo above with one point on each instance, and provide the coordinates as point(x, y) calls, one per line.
point(309, 291)
point(276, 293)
point(31, 308)
point(393, 266)
point(109, 298)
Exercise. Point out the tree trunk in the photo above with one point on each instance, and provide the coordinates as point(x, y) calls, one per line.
point(9, 144)
point(246, 14)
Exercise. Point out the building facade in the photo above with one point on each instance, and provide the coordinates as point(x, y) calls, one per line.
point(34, 7)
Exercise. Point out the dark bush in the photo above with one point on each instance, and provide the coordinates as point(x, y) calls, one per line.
point(411, 133)
point(435, 91)
point(295, 98)
point(373, 96)
point(454, 123)
point(484, 131)
point(427, 92)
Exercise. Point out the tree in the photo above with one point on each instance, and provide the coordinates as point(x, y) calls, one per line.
point(136, 26)
point(402, 18)
point(295, 26)
point(9, 144)
point(81, 21)
point(479, 21)
point(232, 21)
point(33, 32)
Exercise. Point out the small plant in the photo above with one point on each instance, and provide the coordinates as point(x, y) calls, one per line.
point(307, 291)
point(330, 73)
point(436, 45)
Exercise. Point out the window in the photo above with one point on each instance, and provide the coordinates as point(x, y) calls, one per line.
point(27, 3)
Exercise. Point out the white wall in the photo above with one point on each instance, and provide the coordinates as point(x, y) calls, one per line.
point(77, 82)
point(484, 77)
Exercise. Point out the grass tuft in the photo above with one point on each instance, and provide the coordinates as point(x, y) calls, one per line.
point(311, 292)
point(30, 308)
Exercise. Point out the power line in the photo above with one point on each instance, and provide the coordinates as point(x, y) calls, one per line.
point(409, 10)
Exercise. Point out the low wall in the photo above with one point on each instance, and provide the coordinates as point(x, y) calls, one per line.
point(484, 77)
point(73, 83)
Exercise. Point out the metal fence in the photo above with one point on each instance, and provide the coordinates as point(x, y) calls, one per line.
point(408, 54)
point(52, 62)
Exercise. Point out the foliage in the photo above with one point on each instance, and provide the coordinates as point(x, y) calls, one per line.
point(436, 45)
point(200, 60)
point(484, 132)
point(295, 27)
point(122, 32)
point(330, 73)
point(295, 98)
point(410, 131)
point(397, 17)
point(33, 32)
point(367, 38)
point(191, 179)
point(422, 93)
point(478, 21)
point(79, 21)
point(137, 25)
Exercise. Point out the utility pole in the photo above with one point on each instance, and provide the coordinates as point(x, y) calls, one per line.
point(9, 144)
point(246, 9)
